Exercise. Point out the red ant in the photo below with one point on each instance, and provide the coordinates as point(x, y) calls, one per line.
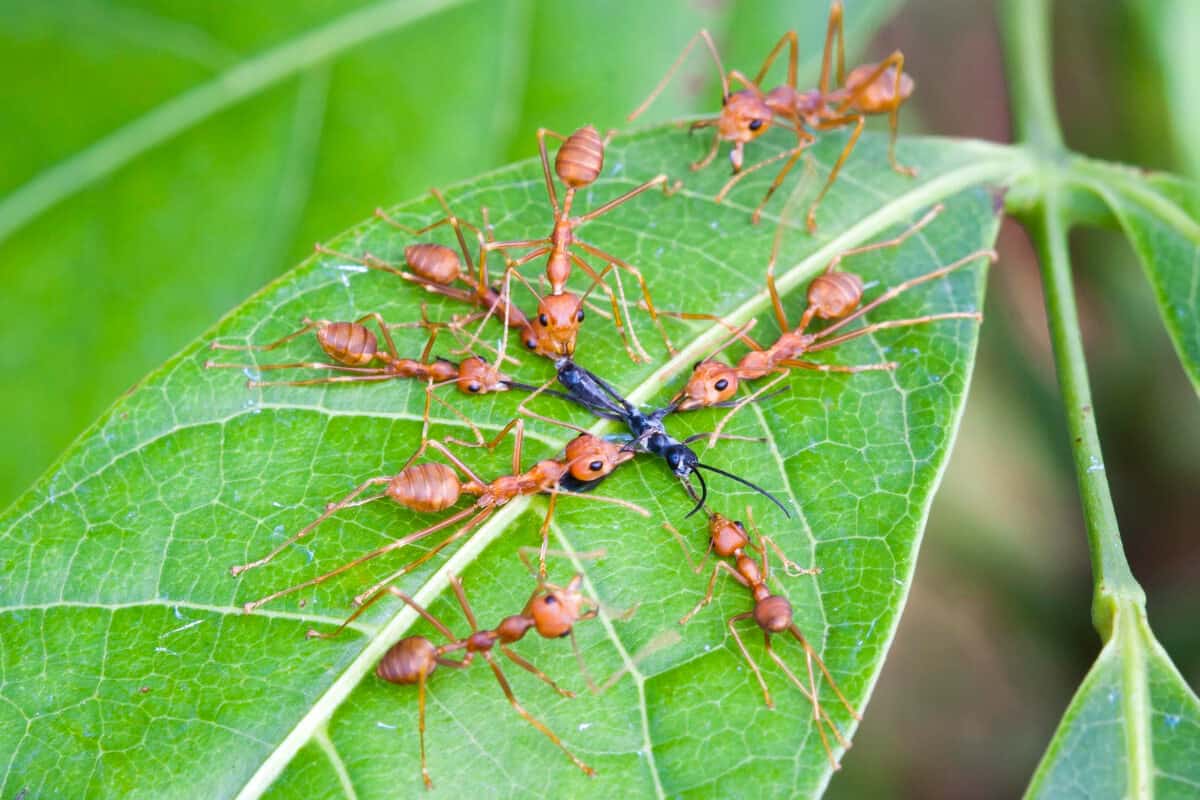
point(870, 89)
point(772, 613)
point(438, 268)
point(551, 612)
point(832, 295)
point(432, 486)
point(577, 164)
point(355, 349)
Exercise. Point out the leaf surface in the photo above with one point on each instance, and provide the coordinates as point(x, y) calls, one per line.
point(127, 667)
point(1160, 215)
point(1133, 728)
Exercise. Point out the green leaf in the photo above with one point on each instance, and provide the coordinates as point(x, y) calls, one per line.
point(1133, 728)
point(128, 669)
point(1160, 215)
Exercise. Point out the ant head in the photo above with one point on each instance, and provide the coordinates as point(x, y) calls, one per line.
point(744, 117)
point(476, 376)
point(556, 609)
point(591, 457)
point(727, 535)
point(711, 382)
point(774, 614)
point(557, 324)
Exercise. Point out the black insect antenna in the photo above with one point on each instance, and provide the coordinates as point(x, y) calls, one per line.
point(744, 482)
point(703, 493)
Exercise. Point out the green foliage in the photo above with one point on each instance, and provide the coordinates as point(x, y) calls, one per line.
point(116, 565)
point(1134, 723)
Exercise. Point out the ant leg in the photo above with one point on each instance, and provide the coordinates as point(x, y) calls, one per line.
point(524, 550)
point(666, 79)
point(521, 409)
point(532, 720)
point(854, 96)
point(429, 395)
point(451, 520)
point(439, 547)
point(375, 597)
point(905, 286)
point(309, 325)
point(745, 401)
point(790, 40)
point(712, 582)
point(825, 344)
point(542, 133)
point(733, 181)
point(687, 553)
point(731, 624)
point(421, 676)
point(860, 122)
point(805, 141)
point(895, 241)
point(740, 332)
point(657, 180)
point(790, 567)
point(489, 444)
point(313, 633)
point(641, 279)
point(812, 654)
point(821, 715)
point(640, 355)
point(885, 366)
point(696, 166)
point(349, 501)
point(833, 32)
point(530, 668)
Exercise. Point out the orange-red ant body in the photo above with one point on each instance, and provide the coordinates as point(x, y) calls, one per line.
point(748, 113)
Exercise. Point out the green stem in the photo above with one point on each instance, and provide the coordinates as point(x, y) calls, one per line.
point(1114, 582)
point(1025, 24)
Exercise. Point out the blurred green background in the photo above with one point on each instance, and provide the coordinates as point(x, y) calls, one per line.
point(162, 160)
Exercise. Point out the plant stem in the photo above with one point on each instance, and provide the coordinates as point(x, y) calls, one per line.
point(1114, 582)
point(1025, 25)
point(1026, 32)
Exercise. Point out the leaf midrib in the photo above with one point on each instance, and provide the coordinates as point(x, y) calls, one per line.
point(1001, 165)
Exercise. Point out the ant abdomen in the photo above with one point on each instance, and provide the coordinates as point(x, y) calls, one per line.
point(834, 294)
point(581, 158)
point(407, 659)
point(774, 614)
point(348, 342)
point(427, 487)
point(433, 262)
point(880, 94)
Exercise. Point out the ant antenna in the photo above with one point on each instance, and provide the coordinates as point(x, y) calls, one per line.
point(744, 482)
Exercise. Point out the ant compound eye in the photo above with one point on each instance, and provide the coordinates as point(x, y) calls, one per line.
point(551, 600)
point(755, 124)
point(473, 387)
point(596, 465)
point(531, 344)
point(579, 315)
point(721, 385)
point(542, 318)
